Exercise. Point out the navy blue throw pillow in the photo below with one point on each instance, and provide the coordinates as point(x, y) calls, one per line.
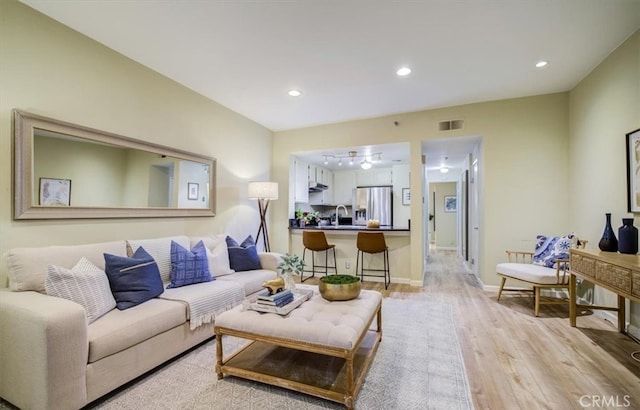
point(243, 257)
point(133, 280)
point(188, 266)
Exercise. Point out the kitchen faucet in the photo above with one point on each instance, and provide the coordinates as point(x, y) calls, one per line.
point(338, 213)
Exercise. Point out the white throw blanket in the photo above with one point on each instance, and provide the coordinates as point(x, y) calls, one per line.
point(206, 300)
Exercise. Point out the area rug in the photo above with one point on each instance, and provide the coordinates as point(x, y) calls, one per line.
point(418, 366)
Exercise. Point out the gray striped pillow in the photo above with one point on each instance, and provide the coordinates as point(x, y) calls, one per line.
point(85, 284)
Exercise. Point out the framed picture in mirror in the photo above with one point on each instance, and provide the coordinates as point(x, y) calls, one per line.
point(55, 192)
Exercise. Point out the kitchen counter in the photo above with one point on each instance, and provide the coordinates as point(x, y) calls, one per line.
point(344, 238)
point(351, 229)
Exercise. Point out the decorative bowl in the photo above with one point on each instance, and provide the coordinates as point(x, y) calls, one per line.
point(339, 291)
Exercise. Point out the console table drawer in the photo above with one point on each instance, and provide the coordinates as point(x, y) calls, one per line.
point(635, 283)
point(615, 276)
point(583, 265)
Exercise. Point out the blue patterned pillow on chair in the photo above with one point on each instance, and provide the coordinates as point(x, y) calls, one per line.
point(551, 248)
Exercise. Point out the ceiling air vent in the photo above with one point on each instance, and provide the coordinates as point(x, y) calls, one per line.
point(450, 125)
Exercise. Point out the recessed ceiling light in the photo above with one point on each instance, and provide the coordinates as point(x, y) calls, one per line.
point(294, 93)
point(403, 71)
point(541, 64)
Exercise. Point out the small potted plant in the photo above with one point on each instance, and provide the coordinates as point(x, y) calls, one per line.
point(339, 287)
point(290, 265)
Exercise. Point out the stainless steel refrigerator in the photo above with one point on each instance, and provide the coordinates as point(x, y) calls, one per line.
point(374, 202)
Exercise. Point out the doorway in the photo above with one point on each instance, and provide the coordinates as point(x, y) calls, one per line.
point(451, 180)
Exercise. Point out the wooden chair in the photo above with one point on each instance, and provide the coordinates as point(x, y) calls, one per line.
point(520, 268)
point(316, 241)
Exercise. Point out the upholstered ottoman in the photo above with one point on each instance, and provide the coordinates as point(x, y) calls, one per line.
point(321, 348)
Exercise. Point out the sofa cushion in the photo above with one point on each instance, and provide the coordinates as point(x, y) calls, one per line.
point(120, 329)
point(243, 257)
point(160, 249)
point(188, 266)
point(133, 280)
point(531, 273)
point(217, 253)
point(550, 248)
point(85, 284)
point(250, 280)
point(27, 267)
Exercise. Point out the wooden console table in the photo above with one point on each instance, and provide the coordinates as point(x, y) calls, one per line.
point(616, 272)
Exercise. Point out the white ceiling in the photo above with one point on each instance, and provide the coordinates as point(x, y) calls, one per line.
point(343, 54)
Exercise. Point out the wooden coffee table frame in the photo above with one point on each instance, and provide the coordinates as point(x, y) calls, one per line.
point(332, 373)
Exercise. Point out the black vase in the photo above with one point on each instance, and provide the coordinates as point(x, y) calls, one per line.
point(608, 242)
point(628, 235)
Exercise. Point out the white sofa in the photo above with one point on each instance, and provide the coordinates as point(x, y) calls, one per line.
point(51, 358)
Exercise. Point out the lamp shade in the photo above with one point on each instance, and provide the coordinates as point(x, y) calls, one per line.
point(263, 190)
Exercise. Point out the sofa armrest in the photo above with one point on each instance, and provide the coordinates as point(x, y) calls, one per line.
point(270, 260)
point(43, 351)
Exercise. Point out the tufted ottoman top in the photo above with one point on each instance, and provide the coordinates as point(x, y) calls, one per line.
point(316, 321)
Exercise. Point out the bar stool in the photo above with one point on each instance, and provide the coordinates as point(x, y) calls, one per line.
point(373, 242)
point(316, 241)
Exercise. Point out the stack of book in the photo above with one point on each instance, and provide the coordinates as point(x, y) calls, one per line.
point(278, 299)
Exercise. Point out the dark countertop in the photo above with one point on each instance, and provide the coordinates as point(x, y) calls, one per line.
point(330, 228)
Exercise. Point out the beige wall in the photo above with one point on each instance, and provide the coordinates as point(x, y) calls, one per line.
point(604, 107)
point(51, 70)
point(446, 222)
point(525, 163)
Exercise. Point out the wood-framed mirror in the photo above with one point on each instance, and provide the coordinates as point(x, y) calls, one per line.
point(68, 171)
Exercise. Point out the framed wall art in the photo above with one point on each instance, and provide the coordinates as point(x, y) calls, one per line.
point(450, 203)
point(192, 190)
point(55, 192)
point(633, 171)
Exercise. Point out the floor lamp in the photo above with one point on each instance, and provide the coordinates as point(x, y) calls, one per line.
point(263, 192)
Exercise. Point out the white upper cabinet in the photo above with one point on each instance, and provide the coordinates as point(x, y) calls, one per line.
point(325, 177)
point(343, 184)
point(301, 183)
point(374, 176)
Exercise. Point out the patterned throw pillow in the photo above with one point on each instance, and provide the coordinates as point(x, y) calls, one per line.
point(550, 248)
point(188, 267)
point(85, 284)
point(243, 257)
point(133, 280)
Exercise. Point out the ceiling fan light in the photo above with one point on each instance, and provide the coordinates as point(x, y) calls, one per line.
point(444, 170)
point(365, 164)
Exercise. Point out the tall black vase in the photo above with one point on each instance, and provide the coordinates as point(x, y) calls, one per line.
point(608, 242)
point(628, 235)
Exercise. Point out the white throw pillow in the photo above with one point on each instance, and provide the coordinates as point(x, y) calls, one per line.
point(217, 253)
point(160, 250)
point(218, 259)
point(85, 284)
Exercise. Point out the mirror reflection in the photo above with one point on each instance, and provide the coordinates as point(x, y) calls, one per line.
point(69, 171)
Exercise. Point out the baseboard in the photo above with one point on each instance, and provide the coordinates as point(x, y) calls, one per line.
point(634, 332)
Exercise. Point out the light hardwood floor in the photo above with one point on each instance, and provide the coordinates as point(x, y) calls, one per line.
point(515, 360)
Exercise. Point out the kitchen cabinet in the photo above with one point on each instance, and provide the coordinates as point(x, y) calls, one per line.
point(374, 177)
point(325, 177)
point(301, 183)
point(343, 184)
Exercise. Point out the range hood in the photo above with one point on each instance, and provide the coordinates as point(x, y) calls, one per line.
point(316, 186)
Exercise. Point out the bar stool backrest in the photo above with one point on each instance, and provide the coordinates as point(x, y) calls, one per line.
point(316, 241)
point(371, 242)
